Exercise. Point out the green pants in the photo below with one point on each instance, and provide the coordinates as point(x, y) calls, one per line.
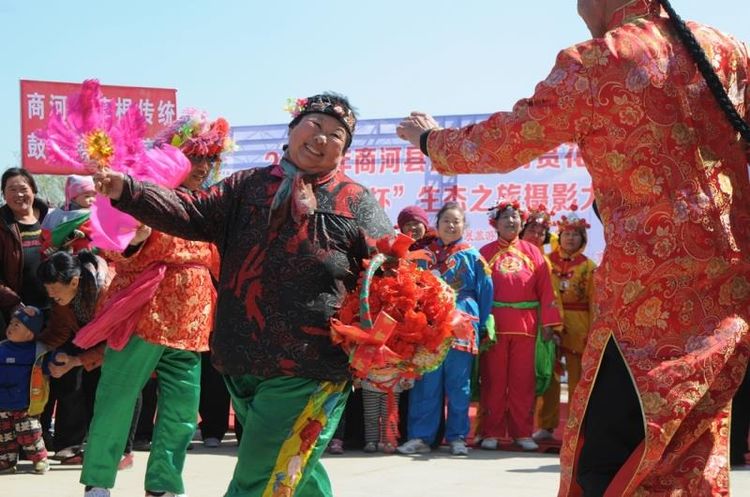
point(287, 424)
point(124, 373)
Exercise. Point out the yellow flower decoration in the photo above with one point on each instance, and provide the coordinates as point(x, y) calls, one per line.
point(616, 161)
point(98, 147)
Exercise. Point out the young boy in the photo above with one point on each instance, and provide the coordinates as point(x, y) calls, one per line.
point(24, 389)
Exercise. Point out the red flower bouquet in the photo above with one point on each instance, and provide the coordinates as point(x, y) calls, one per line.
point(415, 317)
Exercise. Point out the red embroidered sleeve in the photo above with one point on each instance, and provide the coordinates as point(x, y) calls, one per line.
point(559, 111)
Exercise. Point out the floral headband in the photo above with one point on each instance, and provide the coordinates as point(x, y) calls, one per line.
point(502, 206)
point(196, 136)
point(540, 215)
point(330, 104)
point(572, 221)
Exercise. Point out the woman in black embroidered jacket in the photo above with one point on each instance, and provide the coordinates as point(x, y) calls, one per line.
point(292, 238)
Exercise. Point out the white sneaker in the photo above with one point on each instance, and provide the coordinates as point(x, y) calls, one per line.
point(489, 444)
point(459, 448)
point(211, 443)
point(41, 467)
point(526, 443)
point(414, 446)
point(97, 492)
point(542, 434)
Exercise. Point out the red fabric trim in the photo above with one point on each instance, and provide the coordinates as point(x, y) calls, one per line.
point(624, 477)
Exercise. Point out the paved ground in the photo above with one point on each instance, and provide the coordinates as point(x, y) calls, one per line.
point(482, 474)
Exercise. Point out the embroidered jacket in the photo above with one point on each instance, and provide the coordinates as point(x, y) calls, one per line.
point(465, 270)
point(520, 274)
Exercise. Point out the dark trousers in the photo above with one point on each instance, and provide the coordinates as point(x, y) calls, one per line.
point(351, 427)
point(214, 403)
point(72, 400)
point(612, 426)
point(740, 422)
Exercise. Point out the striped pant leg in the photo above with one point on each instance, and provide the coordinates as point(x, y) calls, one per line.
point(371, 411)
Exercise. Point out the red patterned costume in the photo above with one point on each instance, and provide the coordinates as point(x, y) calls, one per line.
point(671, 182)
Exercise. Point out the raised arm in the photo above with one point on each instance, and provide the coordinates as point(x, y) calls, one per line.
point(560, 111)
point(200, 215)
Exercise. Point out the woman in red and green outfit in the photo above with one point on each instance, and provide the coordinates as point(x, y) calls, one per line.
point(524, 305)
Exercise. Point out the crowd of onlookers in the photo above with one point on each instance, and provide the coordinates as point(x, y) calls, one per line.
point(532, 286)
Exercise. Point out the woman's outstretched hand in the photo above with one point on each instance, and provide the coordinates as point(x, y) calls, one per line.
point(109, 183)
point(412, 127)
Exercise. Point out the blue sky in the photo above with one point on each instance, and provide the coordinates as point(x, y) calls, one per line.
point(242, 59)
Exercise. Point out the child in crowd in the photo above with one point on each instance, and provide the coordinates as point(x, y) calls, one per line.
point(412, 221)
point(24, 391)
point(68, 228)
point(376, 418)
point(463, 268)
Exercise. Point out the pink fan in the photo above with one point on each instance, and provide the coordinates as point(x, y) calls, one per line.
point(111, 229)
point(90, 138)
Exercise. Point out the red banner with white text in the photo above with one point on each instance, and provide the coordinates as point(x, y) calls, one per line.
point(39, 99)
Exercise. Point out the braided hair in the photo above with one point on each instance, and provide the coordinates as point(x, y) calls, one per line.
point(712, 80)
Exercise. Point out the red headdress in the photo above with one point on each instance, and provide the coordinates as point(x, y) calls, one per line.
point(502, 206)
point(572, 221)
point(540, 215)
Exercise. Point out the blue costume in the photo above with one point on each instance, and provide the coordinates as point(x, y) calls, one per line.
point(462, 267)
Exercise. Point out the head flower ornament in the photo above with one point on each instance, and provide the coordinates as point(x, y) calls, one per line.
point(295, 106)
point(502, 206)
point(330, 104)
point(196, 136)
point(540, 215)
point(572, 221)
